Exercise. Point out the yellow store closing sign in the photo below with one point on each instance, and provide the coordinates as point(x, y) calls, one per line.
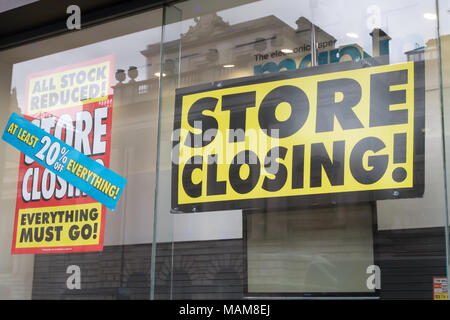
point(340, 133)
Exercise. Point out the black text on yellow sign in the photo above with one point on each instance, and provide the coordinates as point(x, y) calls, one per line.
point(52, 227)
point(332, 134)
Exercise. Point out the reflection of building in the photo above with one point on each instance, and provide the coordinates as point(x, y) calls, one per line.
point(417, 54)
point(215, 49)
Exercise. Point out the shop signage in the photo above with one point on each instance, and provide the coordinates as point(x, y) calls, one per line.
point(354, 52)
point(73, 105)
point(330, 134)
point(74, 167)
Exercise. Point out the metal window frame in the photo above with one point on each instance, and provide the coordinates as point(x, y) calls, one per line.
point(47, 18)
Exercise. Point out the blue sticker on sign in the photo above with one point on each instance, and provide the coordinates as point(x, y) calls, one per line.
point(94, 179)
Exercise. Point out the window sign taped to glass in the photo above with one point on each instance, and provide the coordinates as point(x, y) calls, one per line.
point(440, 288)
point(88, 175)
point(66, 162)
point(69, 107)
point(325, 135)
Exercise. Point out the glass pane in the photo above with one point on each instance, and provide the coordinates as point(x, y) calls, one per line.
point(95, 89)
point(332, 224)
